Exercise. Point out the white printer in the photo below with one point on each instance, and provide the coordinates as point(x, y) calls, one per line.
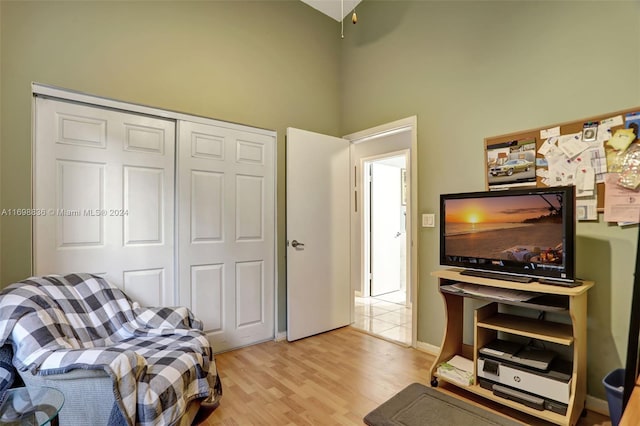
point(535, 377)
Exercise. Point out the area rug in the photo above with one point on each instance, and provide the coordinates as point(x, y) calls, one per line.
point(420, 405)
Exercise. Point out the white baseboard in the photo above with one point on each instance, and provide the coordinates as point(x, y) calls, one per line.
point(428, 348)
point(597, 405)
point(280, 336)
point(592, 403)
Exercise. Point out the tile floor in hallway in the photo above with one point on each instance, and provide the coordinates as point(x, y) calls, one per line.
point(385, 316)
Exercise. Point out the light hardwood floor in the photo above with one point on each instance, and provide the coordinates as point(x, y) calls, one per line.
point(334, 378)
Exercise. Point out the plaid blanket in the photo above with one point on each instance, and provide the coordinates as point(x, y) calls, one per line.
point(7, 372)
point(158, 358)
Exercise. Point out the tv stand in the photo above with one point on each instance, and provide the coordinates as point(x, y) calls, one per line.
point(574, 283)
point(496, 276)
point(492, 318)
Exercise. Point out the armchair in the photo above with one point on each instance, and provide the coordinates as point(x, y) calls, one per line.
point(116, 362)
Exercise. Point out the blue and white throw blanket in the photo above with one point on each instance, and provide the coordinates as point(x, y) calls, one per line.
point(158, 358)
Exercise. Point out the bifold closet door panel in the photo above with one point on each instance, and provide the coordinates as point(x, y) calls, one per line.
point(226, 228)
point(103, 194)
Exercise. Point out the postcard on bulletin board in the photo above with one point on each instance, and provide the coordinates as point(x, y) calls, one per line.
point(511, 163)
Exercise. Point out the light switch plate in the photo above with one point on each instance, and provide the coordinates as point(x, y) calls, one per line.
point(428, 220)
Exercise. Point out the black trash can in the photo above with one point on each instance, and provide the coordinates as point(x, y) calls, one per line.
point(614, 386)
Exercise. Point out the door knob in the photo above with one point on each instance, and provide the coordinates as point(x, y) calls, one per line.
point(296, 244)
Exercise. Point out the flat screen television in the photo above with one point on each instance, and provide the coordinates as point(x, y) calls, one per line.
point(517, 234)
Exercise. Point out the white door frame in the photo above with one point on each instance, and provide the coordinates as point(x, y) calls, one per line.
point(75, 96)
point(409, 124)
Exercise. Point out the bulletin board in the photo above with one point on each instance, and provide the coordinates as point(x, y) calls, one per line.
point(579, 153)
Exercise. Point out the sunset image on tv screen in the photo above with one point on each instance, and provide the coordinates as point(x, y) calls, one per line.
point(524, 229)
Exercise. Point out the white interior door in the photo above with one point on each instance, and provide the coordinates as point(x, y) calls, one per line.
point(104, 183)
point(226, 178)
point(318, 289)
point(387, 230)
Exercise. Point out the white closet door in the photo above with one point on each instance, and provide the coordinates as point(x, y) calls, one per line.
point(226, 184)
point(104, 194)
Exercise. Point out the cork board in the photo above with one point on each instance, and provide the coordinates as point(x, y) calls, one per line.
point(525, 151)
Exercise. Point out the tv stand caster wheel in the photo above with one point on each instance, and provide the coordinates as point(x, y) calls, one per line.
point(434, 382)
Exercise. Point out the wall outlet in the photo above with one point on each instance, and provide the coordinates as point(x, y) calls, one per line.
point(428, 220)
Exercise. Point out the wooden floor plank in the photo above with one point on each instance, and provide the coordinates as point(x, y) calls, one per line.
point(334, 378)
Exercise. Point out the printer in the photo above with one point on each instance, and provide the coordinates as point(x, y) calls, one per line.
point(534, 377)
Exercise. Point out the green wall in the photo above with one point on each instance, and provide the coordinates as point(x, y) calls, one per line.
point(468, 70)
point(270, 64)
point(471, 70)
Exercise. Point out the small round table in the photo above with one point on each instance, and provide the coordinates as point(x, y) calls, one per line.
point(24, 406)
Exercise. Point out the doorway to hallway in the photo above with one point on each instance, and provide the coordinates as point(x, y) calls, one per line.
point(383, 306)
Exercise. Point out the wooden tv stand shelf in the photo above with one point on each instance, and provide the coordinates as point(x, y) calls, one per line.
point(488, 321)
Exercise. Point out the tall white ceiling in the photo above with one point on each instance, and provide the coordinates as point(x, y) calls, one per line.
point(337, 9)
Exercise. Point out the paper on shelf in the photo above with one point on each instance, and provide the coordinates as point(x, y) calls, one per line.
point(458, 369)
point(461, 363)
point(493, 292)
